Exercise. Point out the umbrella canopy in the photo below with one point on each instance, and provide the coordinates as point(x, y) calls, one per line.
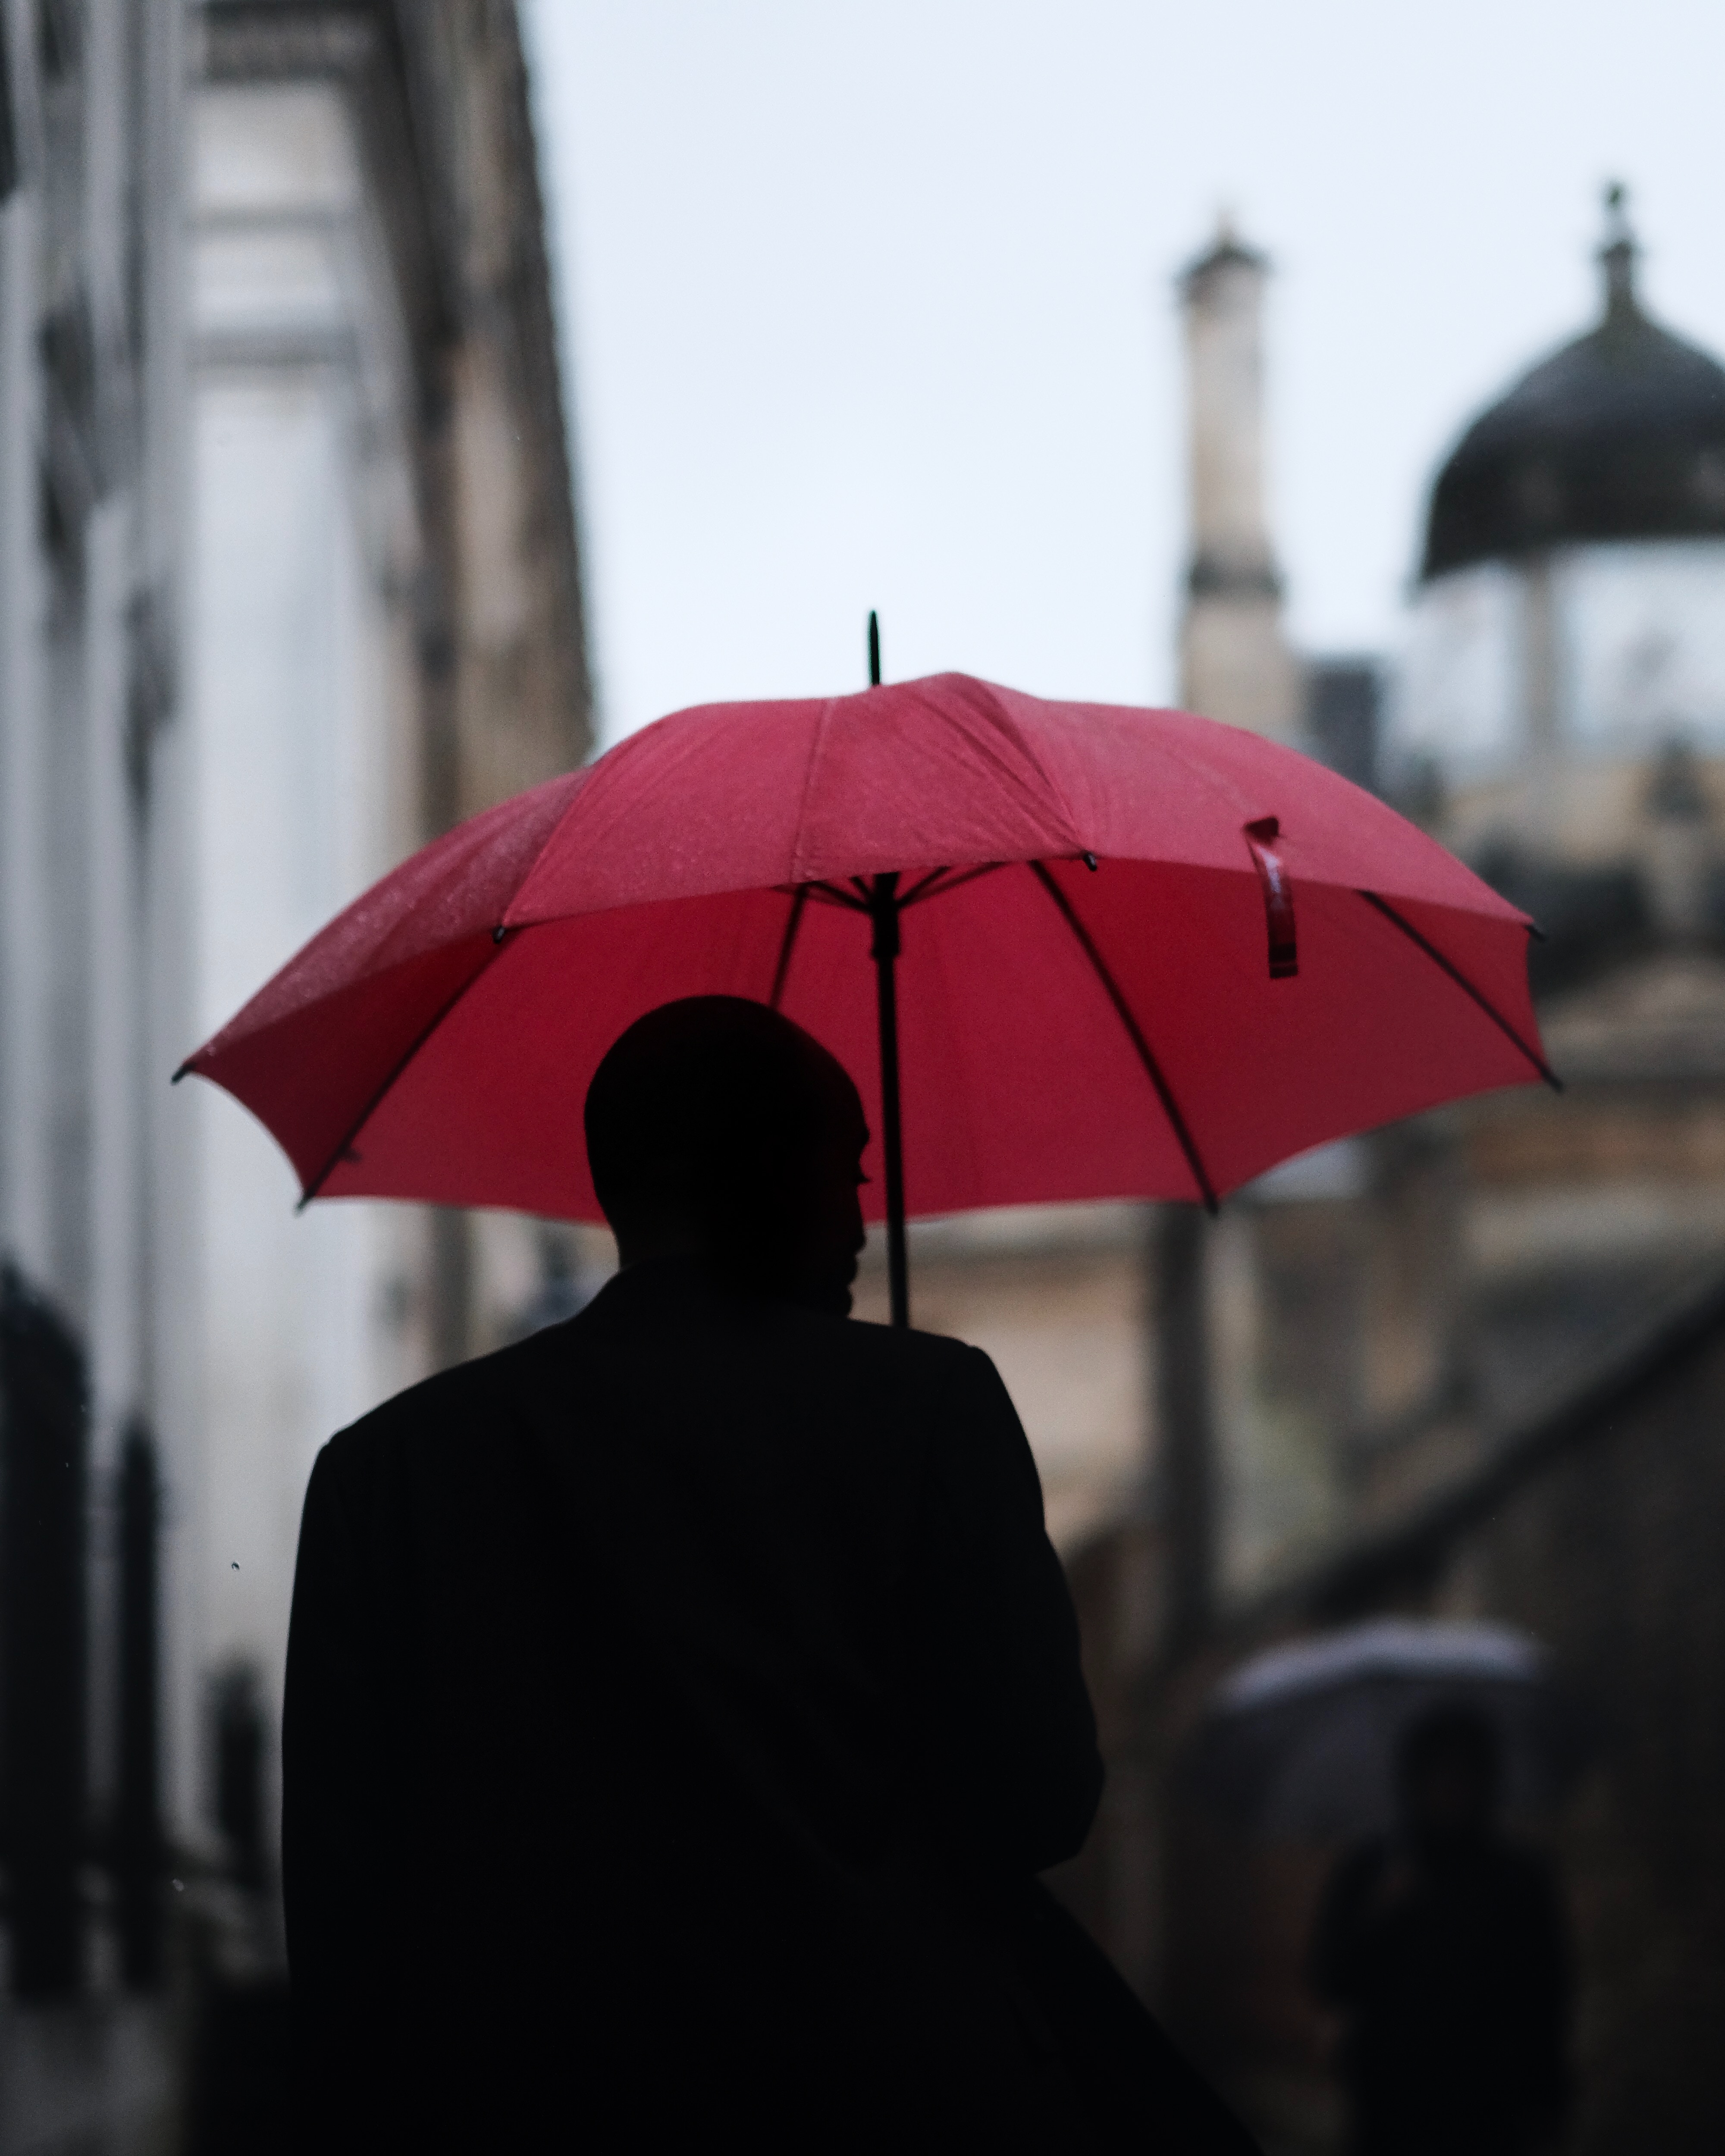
point(1137, 954)
point(1299, 1743)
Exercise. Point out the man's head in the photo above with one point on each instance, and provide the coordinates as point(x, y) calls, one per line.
point(1448, 1771)
point(717, 1129)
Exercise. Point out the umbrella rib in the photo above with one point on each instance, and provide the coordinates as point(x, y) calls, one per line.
point(828, 894)
point(929, 888)
point(788, 944)
point(1123, 1011)
point(419, 1039)
point(917, 889)
point(1466, 986)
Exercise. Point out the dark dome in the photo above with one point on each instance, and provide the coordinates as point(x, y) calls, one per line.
point(1620, 435)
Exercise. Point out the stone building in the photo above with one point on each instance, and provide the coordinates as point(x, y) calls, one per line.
point(1570, 541)
point(1563, 704)
point(1467, 1366)
point(1374, 1306)
point(288, 582)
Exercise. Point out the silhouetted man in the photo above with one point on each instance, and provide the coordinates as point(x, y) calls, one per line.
point(1444, 1945)
point(682, 1702)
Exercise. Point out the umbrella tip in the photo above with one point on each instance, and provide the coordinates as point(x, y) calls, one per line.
point(184, 1072)
point(874, 648)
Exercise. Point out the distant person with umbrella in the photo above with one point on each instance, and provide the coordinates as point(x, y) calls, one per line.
point(1443, 1946)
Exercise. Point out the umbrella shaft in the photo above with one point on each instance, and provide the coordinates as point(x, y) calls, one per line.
point(884, 907)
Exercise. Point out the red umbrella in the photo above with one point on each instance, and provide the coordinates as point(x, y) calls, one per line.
point(1119, 953)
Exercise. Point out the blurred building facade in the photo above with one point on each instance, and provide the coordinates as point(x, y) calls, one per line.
point(288, 582)
point(1564, 709)
point(1466, 1365)
point(91, 398)
point(1374, 1306)
point(1555, 724)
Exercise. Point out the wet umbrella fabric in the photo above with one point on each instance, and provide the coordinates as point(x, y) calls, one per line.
point(1300, 1743)
point(1137, 954)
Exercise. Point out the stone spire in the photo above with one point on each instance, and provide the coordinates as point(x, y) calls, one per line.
point(1617, 255)
point(1233, 662)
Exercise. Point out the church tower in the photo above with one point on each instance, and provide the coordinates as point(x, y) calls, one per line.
point(1235, 662)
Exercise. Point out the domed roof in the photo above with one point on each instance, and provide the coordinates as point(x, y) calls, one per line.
point(1620, 435)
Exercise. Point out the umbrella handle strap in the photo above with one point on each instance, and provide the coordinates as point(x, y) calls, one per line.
point(884, 911)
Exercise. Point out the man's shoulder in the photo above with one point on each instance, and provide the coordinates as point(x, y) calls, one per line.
point(448, 1401)
point(634, 1314)
point(883, 1358)
point(867, 1341)
point(448, 1414)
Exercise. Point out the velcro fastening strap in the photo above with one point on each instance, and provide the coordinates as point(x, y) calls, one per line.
point(1278, 897)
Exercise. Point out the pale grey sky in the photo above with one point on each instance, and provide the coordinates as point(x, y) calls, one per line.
point(873, 305)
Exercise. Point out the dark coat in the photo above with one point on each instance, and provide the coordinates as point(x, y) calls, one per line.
point(1452, 1965)
point(679, 1706)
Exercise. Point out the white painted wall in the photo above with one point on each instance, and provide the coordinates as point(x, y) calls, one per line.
point(299, 677)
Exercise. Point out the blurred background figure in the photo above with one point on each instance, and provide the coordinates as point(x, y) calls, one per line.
point(1443, 1946)
point(1305, 1741)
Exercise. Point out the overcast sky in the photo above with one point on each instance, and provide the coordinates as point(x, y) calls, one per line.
point(872, 305)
